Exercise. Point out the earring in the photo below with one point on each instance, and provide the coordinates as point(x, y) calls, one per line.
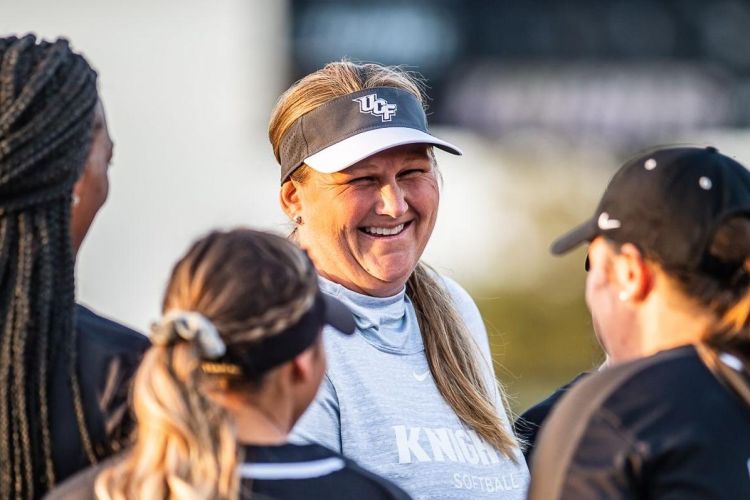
point(76, 199)
point(623, 296)
point(298, 220)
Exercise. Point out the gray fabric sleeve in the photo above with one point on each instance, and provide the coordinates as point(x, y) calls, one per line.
point(321, 422)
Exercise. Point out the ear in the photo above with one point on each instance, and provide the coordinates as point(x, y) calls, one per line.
point(80, 217)
point(290, 199)
point(632, 274)
point(303, 366)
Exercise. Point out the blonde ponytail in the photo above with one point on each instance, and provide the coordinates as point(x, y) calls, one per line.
point(185, 447)
point(454, 361)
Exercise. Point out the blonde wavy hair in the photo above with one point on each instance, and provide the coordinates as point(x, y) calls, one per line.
point(450, 350)
point(250, 285)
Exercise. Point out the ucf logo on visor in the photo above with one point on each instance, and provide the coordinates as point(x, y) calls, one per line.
point(378, 107)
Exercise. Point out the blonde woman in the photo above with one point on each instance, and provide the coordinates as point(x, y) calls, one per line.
point(237, 358)
point(669, 293)
point(412, 394)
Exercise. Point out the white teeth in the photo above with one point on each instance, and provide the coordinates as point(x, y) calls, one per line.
point(384, 231)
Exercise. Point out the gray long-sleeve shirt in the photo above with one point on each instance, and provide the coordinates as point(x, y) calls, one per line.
point(379, 405)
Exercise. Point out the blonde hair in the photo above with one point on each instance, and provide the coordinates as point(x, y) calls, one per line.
point(250, 285)
point(449, 347)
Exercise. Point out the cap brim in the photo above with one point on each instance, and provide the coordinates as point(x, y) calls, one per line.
point(346, 153)
point(576, 236)
point(338, 315)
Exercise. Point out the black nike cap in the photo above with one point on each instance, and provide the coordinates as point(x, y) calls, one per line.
point(669, 203)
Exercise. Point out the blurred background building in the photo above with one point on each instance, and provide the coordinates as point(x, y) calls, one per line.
point(546, 98)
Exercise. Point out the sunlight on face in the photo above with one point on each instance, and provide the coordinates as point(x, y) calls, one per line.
point(367, 226)
point(610, 317)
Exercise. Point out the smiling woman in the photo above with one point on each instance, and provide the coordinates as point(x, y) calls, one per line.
point(373, 237)
point(359, 179)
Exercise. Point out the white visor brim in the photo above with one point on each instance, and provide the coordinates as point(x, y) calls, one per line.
point(346, 153)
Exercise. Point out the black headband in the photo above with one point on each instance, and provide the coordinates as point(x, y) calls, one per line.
point(256, 358)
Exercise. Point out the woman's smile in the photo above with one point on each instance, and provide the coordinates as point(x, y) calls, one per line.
point(386, 233)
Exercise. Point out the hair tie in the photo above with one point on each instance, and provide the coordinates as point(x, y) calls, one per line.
point(190, 326)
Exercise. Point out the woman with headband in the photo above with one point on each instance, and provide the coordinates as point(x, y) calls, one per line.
point(412, 395)
point(237, 358)
point(669, 293)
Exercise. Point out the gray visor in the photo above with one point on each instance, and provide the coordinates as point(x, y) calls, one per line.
point(350, 128)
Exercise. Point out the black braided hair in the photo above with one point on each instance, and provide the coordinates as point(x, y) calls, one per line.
point(47, 100)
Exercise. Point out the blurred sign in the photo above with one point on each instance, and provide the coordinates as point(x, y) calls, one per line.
point(417, 34)
point(617, 67)
point(622, 104)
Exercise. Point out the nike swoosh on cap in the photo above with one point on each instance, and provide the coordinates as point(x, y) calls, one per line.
point(606, 223)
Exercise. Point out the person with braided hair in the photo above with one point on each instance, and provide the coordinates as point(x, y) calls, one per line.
point(237, 358)
point(63, 370)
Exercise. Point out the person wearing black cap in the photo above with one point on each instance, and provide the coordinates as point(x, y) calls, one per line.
point(412, 395)
point(669, 293)
point(237, 358)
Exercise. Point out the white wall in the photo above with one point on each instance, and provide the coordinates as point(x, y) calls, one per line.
point(188, 87)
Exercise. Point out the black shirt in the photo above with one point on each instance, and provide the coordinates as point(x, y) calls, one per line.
point(528, 424)
point(278, 473)
point(662, 427)
point(310, 471)
point(107, 355)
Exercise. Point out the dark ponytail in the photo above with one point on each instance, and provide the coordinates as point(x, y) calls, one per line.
point(732, 246)
point(722, 284)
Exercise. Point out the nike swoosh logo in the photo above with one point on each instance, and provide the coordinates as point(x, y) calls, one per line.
point(421, 376)
point(606, 223)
